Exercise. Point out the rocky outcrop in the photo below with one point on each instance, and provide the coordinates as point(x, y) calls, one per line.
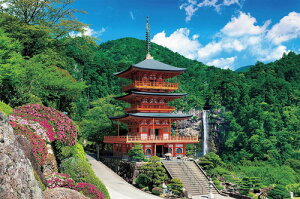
point(63, 193)
point(17, 178)
point(194, 126)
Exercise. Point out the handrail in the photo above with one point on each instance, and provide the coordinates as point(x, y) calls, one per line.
point(197, 180)
point(151, 85)
point(204, 173)
point(150, 139)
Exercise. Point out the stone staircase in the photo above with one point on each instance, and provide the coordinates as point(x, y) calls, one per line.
point(191, 175)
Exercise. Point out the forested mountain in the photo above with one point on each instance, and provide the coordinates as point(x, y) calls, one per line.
point(75, 75)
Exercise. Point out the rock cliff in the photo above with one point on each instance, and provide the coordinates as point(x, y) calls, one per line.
point(17, 178)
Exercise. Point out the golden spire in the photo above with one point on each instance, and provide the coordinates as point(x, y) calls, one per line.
point(148, 42)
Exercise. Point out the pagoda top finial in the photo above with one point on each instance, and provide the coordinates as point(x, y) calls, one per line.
point(148, 42)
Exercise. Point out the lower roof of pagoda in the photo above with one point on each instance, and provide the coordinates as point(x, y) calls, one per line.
point(129, 116)
point(133, 94)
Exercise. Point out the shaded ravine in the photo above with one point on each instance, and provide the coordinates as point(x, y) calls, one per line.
point(117, 187)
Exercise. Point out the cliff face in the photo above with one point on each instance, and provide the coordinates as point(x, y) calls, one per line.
point(16, 173)
point(194, 127)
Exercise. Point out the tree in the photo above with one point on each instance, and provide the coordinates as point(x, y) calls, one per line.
point(136, 153)
point(54, 14)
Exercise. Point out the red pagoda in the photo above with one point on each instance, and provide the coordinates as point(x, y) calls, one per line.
point(149, 118)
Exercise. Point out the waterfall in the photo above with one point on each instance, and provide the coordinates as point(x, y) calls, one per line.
point(205, 132)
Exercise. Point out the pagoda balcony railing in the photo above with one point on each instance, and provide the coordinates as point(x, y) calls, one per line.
point(151, 85)
point(162, 108)
point(150, 139)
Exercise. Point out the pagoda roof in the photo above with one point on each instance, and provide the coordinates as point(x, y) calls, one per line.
point(153, 115)
point(153, 65)
point(152, 94)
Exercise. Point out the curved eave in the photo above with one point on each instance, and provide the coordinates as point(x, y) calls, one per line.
point(152, 115)
point(173, 96)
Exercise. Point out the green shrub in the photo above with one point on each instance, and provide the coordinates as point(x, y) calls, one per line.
point(6, 109)
point(155, 172)
point(75, 164)
point(295, 188)
point(81, 171)
point(142, 180)
point(279, 192)
point(75, 151)
point(176, 186)
point(157, 191)
point(136, 153)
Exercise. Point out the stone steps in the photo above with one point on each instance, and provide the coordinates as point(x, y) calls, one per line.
point(192, 177)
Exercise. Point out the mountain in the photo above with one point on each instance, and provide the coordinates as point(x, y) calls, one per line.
point(243, 68)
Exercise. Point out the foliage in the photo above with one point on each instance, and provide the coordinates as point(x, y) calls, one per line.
point(89, 190)
point(64, 128)
point(142, 180)
point(210, 161)
point(5, 108)
point(279, 192)
point(136, 153)
point(74, 163)
point(156, 191)
point(176, 186)
point(155, 172)
point(23, 127)
point(295, 188)
point(59, 180)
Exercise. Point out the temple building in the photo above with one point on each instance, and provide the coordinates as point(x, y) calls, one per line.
point(150, 118)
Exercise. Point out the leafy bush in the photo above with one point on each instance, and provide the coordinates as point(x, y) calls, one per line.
point(64, 128)
point(136, 153)
point(89, 190)
point(157, 191)
point(142, 180)
point(176, 186)
point(6, 109)
point(295, 188)
point(59, 180)
point(279, 192)
point(210, 161)
point(75, 164)
point(65, 152)
point(154, 171)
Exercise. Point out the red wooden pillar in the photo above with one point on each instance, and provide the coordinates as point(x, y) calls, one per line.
point(184, 149)
point(173, 150)
point(154, 149)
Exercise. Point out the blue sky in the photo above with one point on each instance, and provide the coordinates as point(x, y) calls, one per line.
point(224, 33)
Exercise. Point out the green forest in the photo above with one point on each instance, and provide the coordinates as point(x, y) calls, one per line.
point(40, 63)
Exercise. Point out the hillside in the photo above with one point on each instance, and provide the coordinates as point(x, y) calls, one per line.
point(260, 107)
point(243, 68)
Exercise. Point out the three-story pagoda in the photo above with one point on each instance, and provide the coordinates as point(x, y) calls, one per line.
point(149, 117)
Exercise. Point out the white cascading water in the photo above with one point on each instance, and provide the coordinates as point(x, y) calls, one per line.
point(205, 132)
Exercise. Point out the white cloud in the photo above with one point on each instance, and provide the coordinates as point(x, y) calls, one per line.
point(87, 31)
point(241, 38)
point(225, 63)
point(192, 6)
point(243, 25)
point(131, 15)
point(179, 41)
point(288, 28)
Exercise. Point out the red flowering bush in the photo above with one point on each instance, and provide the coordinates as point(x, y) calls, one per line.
point(58, 126)
point(39, 148)
point(89, 190)
point(63, 180)
point(60, 180)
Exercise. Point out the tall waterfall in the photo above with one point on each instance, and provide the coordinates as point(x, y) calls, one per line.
point(205, 132)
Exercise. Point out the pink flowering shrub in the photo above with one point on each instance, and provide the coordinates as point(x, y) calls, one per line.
point(60, 180)
point(58, 126)
point(63, 180)
point(39, 147)
point(89, 190)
